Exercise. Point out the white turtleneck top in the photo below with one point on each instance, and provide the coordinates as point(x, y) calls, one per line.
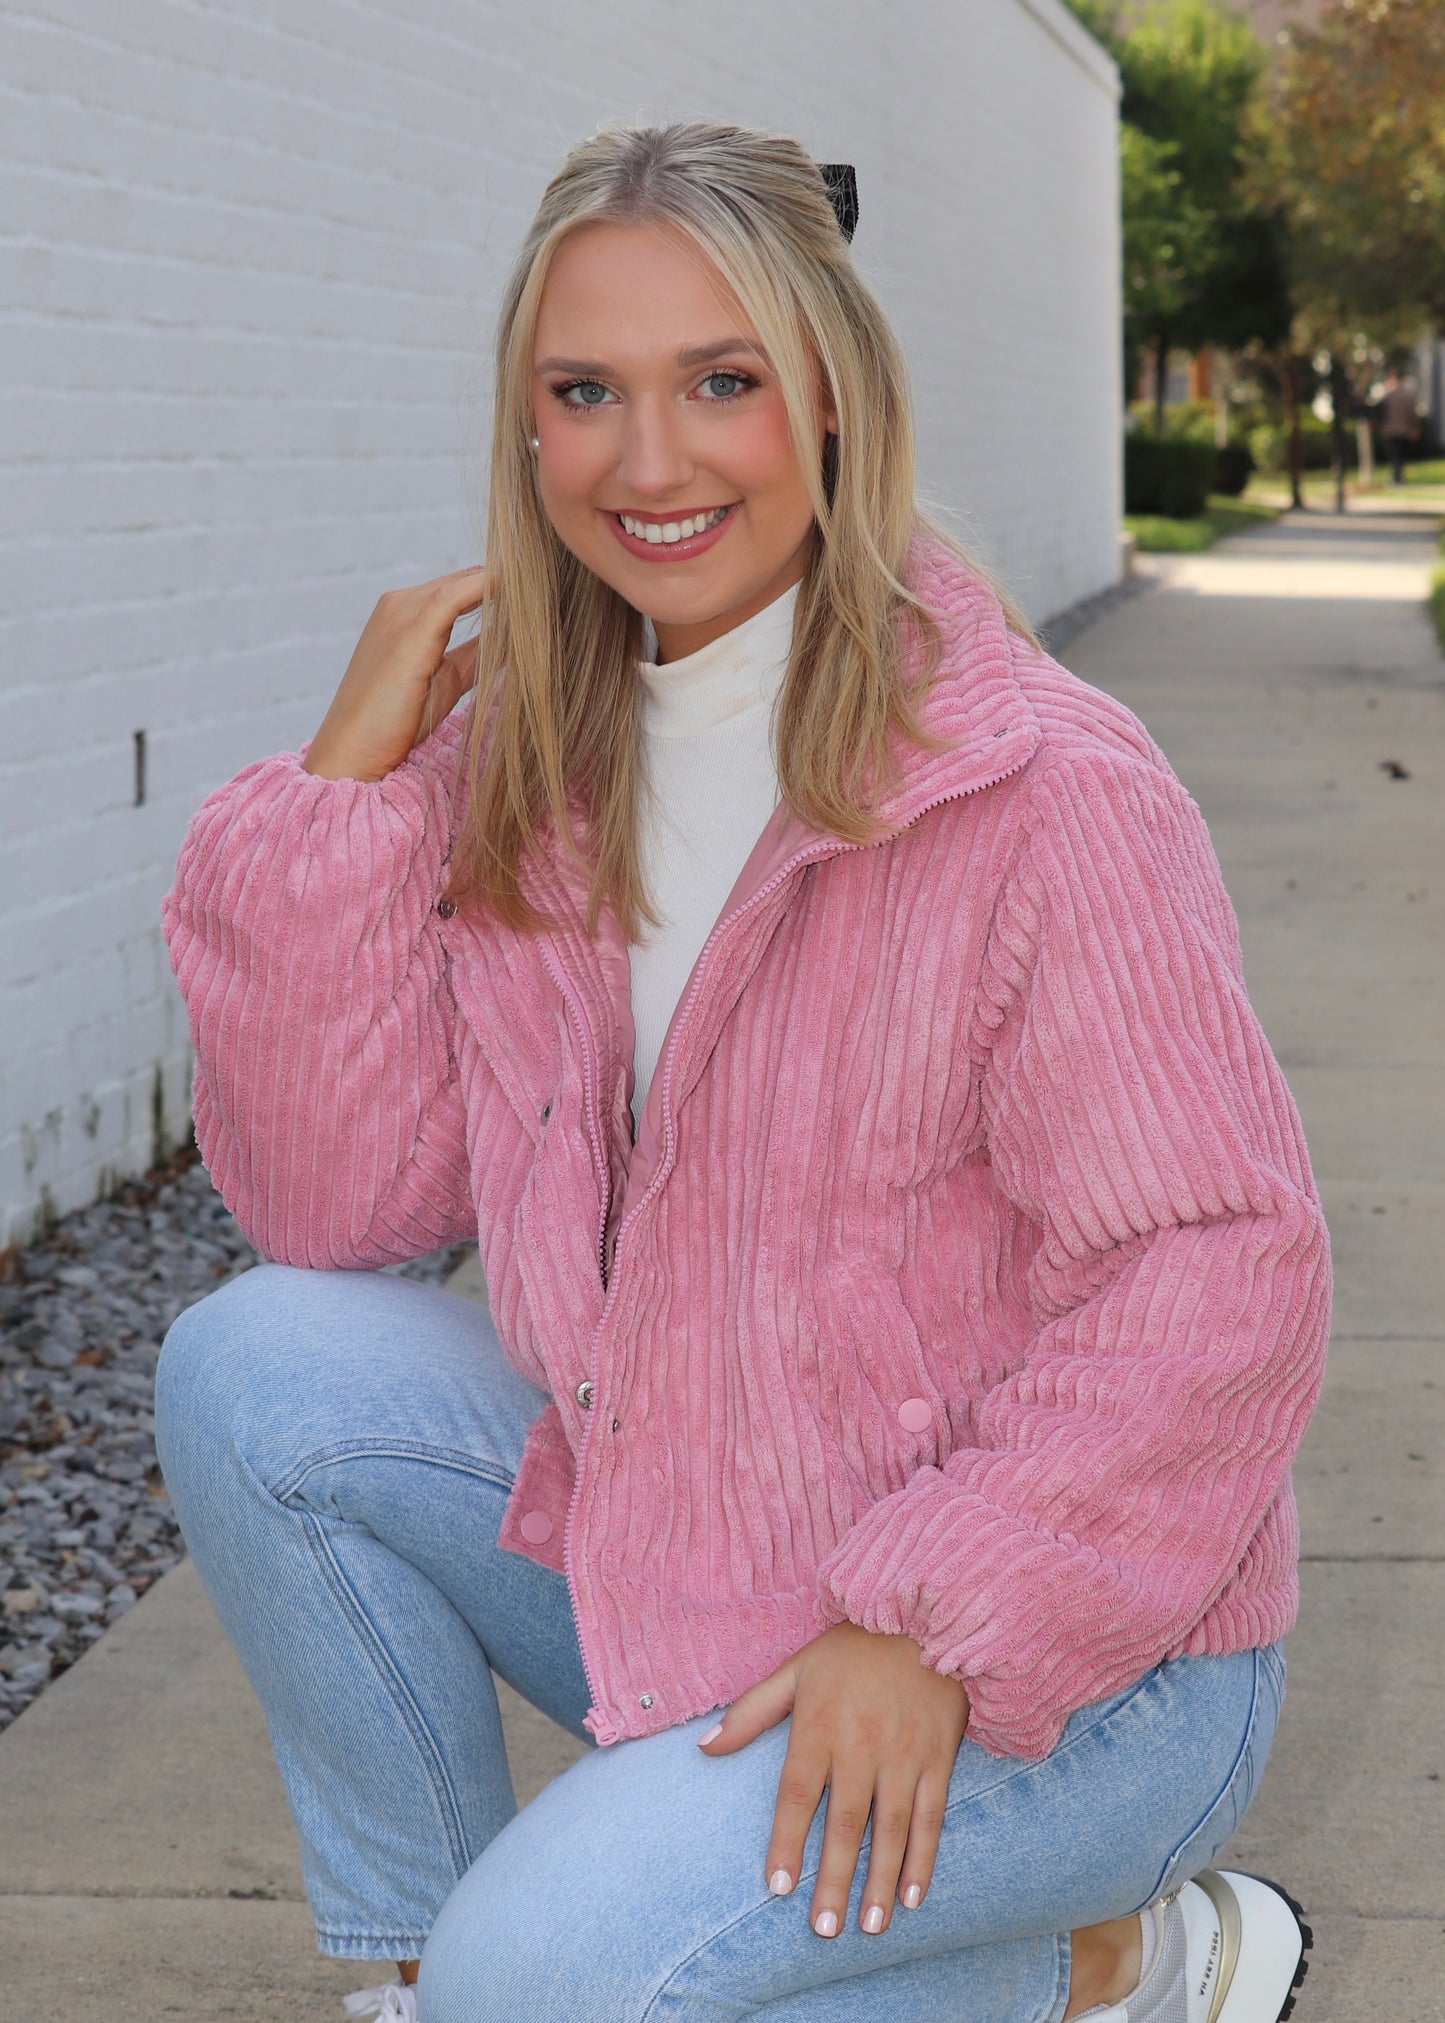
point(705, 730)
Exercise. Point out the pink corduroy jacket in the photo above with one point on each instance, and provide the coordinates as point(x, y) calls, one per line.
point(967, 1278)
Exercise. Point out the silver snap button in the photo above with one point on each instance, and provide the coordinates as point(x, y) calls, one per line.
point(446, 908)
point(644, 1700)
point(615, 1424)
point(583, 1394)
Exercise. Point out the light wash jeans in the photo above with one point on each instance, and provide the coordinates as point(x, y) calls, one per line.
point(339, 1447)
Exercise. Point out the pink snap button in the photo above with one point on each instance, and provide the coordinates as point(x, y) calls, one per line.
point(915, 1415)
point(536, 1527)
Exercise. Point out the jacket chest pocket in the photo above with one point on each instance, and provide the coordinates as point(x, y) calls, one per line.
point(517, 1020)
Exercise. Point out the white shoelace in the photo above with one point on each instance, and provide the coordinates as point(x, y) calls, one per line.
point(391, 2004)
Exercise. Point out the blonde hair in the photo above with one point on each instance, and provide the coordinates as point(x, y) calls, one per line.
point(555, 731)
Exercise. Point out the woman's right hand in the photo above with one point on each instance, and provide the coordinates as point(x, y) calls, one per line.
point(401, 681)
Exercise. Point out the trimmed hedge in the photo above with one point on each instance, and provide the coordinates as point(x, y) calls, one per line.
point(1170, 477)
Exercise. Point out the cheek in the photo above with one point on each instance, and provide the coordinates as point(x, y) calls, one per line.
point(763, 459)
point(574, 460)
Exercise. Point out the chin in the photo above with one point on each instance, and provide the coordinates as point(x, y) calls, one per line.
point(680, 602)
point(675, 606)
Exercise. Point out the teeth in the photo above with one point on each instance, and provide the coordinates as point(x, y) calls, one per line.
point(671, 530)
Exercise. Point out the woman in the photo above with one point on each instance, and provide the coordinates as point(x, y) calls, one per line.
point(907, 1284)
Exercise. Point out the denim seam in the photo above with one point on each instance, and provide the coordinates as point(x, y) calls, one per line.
point(394, 1681)
point(1053, 2008)
point(336, 1943)
point(1063, 1977)
point(768, 1902)
point(1240, 1759)
point(763, 1904)
point(394, 1450)
point(1019, 1766)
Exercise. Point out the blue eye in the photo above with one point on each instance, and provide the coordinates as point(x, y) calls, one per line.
point(593, 393)
point(733, 384)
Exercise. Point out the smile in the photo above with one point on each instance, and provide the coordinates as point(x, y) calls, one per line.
point(689, 534)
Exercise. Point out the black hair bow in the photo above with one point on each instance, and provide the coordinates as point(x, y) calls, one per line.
point(841, 182)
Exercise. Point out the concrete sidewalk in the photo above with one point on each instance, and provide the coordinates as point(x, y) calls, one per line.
point(1291, 676)
point(147, 1867)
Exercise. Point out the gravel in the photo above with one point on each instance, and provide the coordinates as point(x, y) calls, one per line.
point(85, 1523)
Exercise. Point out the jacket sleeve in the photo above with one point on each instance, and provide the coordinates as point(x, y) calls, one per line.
point(1139, 1454)
point(303, 932)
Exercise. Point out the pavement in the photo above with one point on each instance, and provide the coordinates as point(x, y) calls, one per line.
point(147, 1867)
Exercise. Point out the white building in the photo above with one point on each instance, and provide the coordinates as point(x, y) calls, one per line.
point(250, 259)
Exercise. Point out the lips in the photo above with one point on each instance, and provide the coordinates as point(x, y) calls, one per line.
point(666, 540)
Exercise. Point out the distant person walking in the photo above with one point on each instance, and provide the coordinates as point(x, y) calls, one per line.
point(1399, 424)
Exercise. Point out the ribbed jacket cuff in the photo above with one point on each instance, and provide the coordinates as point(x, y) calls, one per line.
point(1034, 1627)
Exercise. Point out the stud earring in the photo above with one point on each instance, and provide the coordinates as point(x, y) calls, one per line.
point(536, 445)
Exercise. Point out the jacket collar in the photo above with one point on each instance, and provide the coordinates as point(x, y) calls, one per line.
point(975, 703)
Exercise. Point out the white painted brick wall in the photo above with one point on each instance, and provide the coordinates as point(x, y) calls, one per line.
point(248, 257)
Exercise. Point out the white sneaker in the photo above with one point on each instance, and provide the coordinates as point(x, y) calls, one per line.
point(391, 2004)
point(1228, 1948)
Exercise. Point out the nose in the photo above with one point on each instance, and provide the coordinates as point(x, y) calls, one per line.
point(654, 462)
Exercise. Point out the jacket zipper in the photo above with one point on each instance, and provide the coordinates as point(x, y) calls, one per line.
point(604, 1175)
point(809, 854)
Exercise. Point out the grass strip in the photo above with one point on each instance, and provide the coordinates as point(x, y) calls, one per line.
point(1156, 535)
point(1437, 595)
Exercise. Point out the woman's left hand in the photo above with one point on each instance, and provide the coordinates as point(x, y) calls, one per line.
point(880, 1730)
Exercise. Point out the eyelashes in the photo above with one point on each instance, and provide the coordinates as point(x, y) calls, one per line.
point(744, 382)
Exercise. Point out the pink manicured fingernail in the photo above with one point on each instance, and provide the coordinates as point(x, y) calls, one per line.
point(873, 1918)
point(913, 1896)
point(780, 1882)
point(826, 1924)
point(711, 1735)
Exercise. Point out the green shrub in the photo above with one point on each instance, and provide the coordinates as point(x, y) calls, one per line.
point(1169, 477)
point(1185, 421)
point(1233, 468)
point(1270, 445)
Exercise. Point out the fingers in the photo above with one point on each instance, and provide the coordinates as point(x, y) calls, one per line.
point(457, 673)
point(894, 1804)
point(930, 1802)
point(762, 1706)
point(907, 1822)
point(459, 591)
point(800, 1787)
point(849, 1801)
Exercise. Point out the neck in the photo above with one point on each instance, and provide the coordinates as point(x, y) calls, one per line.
point(676, 642)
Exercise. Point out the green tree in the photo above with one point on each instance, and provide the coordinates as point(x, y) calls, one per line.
point(1350, 142)
point(1353, 145)
point(1203, 253)
point(1167, 239)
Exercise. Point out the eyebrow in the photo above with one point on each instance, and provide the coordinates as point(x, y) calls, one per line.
point(696, 354)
